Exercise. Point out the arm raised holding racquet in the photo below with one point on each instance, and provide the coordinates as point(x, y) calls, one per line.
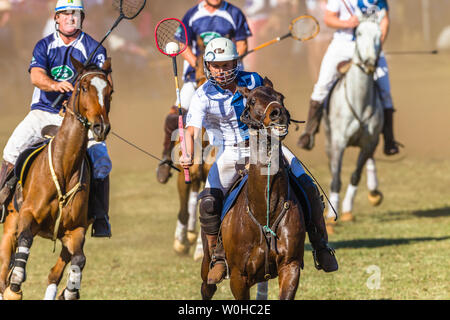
point(302, 28)
point(171, 40)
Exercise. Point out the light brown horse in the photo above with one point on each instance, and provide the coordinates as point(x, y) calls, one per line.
point(253, 253)
point(43, 211)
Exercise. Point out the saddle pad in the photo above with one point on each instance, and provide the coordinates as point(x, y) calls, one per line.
point(301, 196)
point(26, 158)
point(232, 196)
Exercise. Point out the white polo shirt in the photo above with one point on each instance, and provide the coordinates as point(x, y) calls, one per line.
point(219, 111)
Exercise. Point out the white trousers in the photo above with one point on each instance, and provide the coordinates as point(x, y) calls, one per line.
point(223, 172)
point(28, 132)
point(339, 51)
point(186, 93)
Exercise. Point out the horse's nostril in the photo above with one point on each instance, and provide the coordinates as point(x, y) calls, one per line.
point(97, 128)
point(275, 114)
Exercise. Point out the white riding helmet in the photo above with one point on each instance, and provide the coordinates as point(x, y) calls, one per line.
point(220, 50)
point(63, 5)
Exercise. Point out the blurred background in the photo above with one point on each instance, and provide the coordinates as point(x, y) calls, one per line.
point(143, 82)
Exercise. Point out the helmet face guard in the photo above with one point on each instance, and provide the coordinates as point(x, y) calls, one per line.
point(221, 50)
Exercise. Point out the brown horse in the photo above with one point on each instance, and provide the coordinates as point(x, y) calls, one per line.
point(185, 234)
point(255, 253)
point(56, 190)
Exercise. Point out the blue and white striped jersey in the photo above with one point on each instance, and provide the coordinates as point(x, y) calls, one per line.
point(53, 55)
point(219, 111)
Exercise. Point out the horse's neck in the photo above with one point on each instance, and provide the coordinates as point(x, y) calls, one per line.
point(359, 85)
point(258, 179)
point(69, 148)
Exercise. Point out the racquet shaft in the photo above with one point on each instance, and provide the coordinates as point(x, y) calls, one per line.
point(187, 178)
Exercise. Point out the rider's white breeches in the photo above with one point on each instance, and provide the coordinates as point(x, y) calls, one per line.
point(186, 93)
point(223, 172)
point(28, 132)
point(339, 51)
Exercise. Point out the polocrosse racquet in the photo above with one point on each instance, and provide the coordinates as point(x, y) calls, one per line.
point(128, 9)
point(302, 28)
point(171, 40)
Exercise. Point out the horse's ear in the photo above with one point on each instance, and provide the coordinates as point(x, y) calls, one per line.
point(267, 82)
point(244, 91)
point(107, 65)
point(77, 64)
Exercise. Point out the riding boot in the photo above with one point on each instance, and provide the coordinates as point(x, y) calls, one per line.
point(324, 257)
point(171, 124)
point(7, 184)
point(390, 145)
point(217, 269)
point(99, 207)
point(306, 140)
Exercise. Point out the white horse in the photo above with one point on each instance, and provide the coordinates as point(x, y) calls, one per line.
point(355, 116)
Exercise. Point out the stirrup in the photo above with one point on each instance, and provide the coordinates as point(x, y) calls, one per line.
point(314, 253)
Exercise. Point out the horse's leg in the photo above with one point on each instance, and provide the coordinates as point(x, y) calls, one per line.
point(347, 205)
point(239, 286)
point(198, 253)
point(192, 210)
point(18, 272)
point(207, 290)
point(289, 277)
point(375, 196)
point(180, 244)
point(337, 154)
point(56, 274)
point(8, 247)
point(74, 241)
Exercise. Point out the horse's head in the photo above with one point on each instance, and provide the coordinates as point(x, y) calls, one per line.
point(265, 110)
point(91, 99)
point(368, 40)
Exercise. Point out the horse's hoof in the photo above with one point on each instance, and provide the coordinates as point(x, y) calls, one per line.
point(191, 237)
point(346, 217)
point(180, 247)
point(8, 294)
point(375, 197)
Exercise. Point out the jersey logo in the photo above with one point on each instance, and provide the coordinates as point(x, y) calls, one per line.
point(62, 73)
point(208, 36)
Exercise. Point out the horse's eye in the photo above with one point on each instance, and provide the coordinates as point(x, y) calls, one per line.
point(84, 88)
point(252, 101)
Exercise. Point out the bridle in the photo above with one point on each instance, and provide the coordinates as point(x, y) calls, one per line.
point(75, 110)
point(365, 68)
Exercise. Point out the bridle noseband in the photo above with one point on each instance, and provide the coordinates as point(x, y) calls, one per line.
point(75, 110)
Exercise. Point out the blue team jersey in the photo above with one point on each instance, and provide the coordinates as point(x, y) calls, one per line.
point(227, 21)
point(372, 5)
point(52, 55)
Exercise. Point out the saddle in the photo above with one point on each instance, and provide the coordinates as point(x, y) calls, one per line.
point(27, 157)
point(238, 186)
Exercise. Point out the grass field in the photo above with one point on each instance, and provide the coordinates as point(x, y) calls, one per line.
point(407, 238)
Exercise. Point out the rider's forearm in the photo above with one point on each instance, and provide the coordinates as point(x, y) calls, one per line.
point(241, 47)
point(332, 21)
point(384, 25)
point(189, 135)
point(40, 79)
point(189, 56)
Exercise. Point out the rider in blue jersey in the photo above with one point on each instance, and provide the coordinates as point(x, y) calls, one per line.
point(51, 72)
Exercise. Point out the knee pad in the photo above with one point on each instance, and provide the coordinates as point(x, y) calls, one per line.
point(211, 202)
